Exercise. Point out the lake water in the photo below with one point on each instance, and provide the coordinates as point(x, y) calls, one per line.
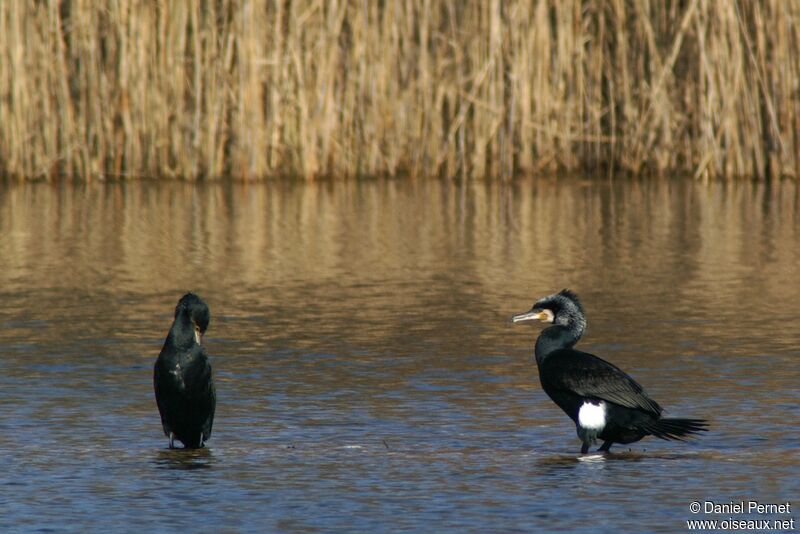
point(368, 376)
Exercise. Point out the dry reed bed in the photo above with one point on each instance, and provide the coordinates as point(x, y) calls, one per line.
point(262, 88)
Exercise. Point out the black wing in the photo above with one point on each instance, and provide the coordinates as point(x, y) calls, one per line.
point(589, 376)
point(168, 386)
point(205, 394)
point(200, 389)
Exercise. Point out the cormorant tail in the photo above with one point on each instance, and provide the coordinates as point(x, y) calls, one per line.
point(676, 428)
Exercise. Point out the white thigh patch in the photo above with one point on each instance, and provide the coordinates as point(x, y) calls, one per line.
point(592, 416)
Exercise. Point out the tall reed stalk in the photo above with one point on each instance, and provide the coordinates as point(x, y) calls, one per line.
point(312, 88)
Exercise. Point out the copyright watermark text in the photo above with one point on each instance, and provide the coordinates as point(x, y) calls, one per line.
point(779, 515)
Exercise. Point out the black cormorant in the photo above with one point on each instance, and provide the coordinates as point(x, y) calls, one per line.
point(602, 400)
point(182, 377)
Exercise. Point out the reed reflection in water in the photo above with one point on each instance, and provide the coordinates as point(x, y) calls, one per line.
point(367, 373)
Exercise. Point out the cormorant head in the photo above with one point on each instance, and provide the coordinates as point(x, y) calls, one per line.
point(563, 308)
point(196, 310)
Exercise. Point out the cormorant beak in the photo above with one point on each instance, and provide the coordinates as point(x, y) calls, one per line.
point(530, 316)
point(198, 335)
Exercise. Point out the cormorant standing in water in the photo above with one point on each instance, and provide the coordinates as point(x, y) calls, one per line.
point(603, 401)
point(182, 377)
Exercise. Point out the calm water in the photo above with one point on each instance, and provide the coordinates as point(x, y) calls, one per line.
point(369, 379)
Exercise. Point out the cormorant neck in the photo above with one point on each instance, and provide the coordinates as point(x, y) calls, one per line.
point(556, 337)
point(182, 334)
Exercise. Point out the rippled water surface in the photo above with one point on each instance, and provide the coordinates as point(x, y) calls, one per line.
point(368, 377)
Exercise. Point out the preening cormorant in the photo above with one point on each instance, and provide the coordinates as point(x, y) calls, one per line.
point(184, 387)
point(602, 400)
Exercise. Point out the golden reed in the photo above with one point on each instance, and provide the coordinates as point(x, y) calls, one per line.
point(313, 88)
